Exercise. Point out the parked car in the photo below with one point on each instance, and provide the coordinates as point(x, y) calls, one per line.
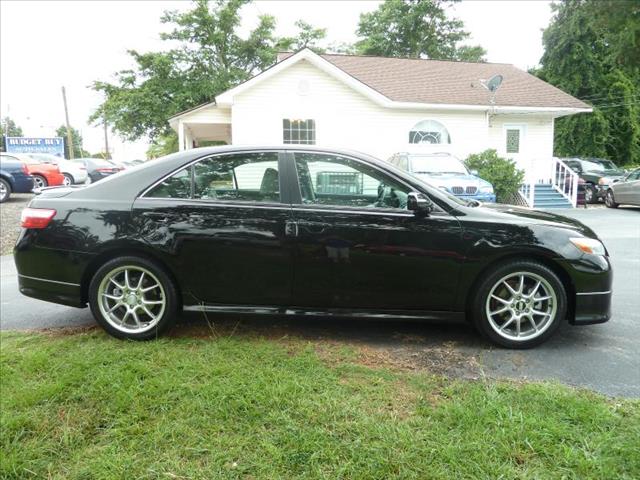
point(598, 174)
point(624, 191)
point(446, 172)
point(44, 174)
point(73, 172)
point(14, 177)
point(233, 229)
point(98, 168)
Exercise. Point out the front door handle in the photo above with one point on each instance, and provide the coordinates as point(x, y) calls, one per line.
point(291, 228)
point(157, 216)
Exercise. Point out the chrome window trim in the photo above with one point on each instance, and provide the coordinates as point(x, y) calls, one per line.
point(222, 203)
point(50, 281)
point(594, 293)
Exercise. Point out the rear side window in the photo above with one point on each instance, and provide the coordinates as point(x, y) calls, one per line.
point(244, 177)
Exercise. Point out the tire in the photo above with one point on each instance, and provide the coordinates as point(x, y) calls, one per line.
point(590, 194)
point(609, 200)
point(68, 180)
point(111, 285)
point(516, 326)
point(39, 181)
point(5, 190)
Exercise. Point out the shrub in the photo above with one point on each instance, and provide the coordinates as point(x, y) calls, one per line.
point(500, 172)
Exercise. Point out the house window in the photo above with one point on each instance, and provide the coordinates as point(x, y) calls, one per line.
point(513, 140)
point(299, 131)
point(429, 131)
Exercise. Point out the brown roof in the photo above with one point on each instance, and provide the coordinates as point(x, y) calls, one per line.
point(448, 82)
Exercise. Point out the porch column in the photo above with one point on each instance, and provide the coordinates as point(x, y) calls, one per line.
point(188, 139)
point(181, 133)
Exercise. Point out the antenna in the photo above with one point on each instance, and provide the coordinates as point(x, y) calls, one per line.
point(492, 85)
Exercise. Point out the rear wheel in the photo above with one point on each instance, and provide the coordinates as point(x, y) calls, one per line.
point(519, 304)
point(5, 190)
point(132, 297)
point(610, 200)
point(68, 179)
point(39, 181)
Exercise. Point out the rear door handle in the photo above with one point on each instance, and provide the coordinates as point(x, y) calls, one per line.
point(291, 228)
point(314, 227)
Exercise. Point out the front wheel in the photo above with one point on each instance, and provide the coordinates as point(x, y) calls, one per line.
point(519, 304)
point(39, 181)
point(133, 298)
point(610, 200)
point(590, 194)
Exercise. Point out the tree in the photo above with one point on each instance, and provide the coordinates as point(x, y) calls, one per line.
point(8, 128)
point(415, 29)
point(208, 58)
point(498, 171)
point(78, 151)
point(308, 37)
point(163, 145)
point(591, 52)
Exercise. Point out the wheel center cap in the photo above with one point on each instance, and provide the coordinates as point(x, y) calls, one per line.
point(520, 306)
point(132, 300)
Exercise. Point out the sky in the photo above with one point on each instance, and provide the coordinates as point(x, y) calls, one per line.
point(45, 45)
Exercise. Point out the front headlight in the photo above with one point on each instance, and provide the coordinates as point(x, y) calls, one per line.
point(486, 189)
point(588, 245)
point(604, 181)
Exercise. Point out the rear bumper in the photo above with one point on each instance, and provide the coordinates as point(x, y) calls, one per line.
point(48, 290)
point(55, 179)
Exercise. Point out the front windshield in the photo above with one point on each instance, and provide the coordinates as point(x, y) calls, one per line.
point(437, 164)
point(598, 165)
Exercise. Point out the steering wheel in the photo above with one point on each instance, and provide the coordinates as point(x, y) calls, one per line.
point(390, 197)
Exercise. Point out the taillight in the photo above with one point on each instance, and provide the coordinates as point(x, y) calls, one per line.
point(36, 217)
point(82, 168)
point(105, 170)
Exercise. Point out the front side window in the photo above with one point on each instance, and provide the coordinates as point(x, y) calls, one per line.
point(338, 181)
point(244, 177)
point(301, 132)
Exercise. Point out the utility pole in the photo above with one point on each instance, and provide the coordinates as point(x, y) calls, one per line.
point(106, 141)
point(69, 134)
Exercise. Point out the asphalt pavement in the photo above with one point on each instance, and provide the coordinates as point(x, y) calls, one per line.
point(604, 358)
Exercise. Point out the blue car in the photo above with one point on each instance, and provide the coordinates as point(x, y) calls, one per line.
point(14, 177)
point(446, 172)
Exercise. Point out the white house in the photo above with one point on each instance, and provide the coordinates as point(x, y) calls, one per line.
point(384, 105)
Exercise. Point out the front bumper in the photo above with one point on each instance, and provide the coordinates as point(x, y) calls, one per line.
point(592, 278)
point(481, 197)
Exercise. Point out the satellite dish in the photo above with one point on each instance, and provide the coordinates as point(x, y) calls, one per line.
point(493, 83)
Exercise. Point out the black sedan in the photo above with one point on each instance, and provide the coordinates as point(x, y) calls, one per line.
point(305, 231)
point(98, 168)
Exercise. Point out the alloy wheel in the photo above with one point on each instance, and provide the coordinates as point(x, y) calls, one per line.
point(521, 306)
point(4, 191)
point(67, 181)
point(589, 194)
point(131, 299)
point(39, 182)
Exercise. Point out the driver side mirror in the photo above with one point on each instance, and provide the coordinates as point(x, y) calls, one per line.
point(419, 203)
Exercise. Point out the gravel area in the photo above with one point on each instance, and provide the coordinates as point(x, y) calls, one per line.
point(10, 220)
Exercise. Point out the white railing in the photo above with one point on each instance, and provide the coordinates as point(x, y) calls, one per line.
point(527, 191)
point(565, 181)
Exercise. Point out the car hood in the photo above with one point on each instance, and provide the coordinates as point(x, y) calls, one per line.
point(452, 179)
point(514, 214)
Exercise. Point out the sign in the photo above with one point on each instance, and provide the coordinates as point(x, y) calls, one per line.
point(52, 145)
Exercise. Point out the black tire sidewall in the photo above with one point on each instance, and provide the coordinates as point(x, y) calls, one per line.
point(70, 177)
point(168, 318)
point(479, 315)
point(8, 187)
point(594, 194)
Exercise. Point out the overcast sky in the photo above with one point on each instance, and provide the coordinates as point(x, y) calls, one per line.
point(45, 45)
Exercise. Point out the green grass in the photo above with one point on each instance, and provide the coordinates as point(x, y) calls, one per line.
point(88, 406)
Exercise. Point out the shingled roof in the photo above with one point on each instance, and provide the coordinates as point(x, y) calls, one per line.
point(448, 82)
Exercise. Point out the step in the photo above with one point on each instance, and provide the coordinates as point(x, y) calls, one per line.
point(544, 201)
point(548, 195)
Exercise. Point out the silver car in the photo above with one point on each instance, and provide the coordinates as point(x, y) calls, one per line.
point(625, 191)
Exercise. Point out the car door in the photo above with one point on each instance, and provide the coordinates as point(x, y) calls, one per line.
point(221, 220)
point(358, 247)
point(628, 190)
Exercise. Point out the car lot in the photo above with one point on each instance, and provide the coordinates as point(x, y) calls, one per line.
point(600, 357)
